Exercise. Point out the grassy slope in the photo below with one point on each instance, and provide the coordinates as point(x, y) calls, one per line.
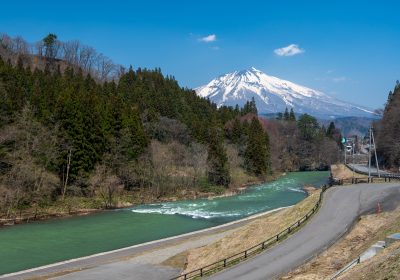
point(249, 235)
point(365, 233)
point(384, 266)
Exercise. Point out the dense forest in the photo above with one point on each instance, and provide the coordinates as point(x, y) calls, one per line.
point(77, 136)
point(388, 131)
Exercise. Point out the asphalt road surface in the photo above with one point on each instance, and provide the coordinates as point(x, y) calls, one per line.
point(340, 209)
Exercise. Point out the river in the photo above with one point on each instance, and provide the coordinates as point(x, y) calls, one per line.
point(39, 243)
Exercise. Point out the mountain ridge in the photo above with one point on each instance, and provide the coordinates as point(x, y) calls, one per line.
point(273, 95)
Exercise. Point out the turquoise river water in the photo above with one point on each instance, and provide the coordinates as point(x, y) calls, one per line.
point(40, 243)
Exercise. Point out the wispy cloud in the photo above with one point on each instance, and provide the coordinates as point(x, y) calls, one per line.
point(290, 50)
point(208, 39)
point(339, 79)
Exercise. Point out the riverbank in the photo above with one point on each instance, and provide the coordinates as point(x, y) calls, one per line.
point(157, 259)
point(80, 206)
point(158, 254)
point(42, 243)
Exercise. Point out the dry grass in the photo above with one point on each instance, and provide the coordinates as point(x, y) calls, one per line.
point(384, 266)
point(249, 235)
point(341, 172)
point(366, 232)
point(177, 261)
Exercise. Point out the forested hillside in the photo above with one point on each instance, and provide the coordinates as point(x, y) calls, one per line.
point(70, 136)
point(388, 131)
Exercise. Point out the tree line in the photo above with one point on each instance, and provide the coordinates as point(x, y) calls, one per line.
point(67, 132)
point(387, 131)
point(74, 53)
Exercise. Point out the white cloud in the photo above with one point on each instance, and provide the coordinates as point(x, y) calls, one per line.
point(208, 39)
point(290, 50)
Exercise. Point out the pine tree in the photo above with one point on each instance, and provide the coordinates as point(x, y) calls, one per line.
point(308, 126)
point(331, 130)
point(292, 116)
point(236, 130)
point(50, 43)
point(218, 166)
point(256, 155)
point(250, 107)
point(286, 115)
point(133, 137)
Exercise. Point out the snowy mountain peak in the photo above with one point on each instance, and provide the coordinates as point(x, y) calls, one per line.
point(274, 95)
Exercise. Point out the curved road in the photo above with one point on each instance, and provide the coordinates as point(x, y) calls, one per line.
point(340, 209)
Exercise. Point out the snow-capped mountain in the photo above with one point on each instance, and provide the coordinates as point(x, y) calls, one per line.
point(273, 95)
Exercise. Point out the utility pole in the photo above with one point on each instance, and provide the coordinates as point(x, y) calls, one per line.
point(376, 157)
point(369, 157)
point(353, 161)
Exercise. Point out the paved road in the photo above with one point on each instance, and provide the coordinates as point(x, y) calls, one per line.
point(341, 208)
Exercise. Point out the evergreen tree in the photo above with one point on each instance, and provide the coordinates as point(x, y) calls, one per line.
point(236, 130)
point(292, 116)
point(331, 130)
point(50, 45)
point(286, 115)
point(250, 107)
point(218, 166)
point(387, 132)
point(133, 137)
point(256, 155)
point(308, 126)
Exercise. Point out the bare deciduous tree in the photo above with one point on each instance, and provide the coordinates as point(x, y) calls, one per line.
point(104, 67)
point(106, 185)
point(71, 51)
point(87, 58)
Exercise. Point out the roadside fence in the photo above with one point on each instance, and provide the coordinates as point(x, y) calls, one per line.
point(237, 258)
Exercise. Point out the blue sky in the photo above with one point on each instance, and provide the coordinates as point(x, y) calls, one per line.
point(348, 49)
